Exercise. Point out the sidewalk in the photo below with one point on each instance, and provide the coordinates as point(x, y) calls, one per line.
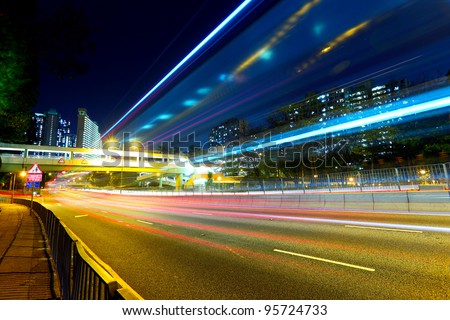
point(26, 272)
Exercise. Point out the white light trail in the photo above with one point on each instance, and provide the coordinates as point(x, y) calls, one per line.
point(384, 229)
point(182, 62)
point(411, 106)
point(402, 112)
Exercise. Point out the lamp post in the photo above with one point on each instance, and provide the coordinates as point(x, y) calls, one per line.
point(22, 174)
point(123, 163)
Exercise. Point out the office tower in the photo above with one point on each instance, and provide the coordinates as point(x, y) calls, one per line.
point(62, 133)
point(88, 135)
point(38, 120)
point(51, 125)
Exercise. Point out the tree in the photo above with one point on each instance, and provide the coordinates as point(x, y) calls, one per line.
point(374, 144)
point(18, 71)
point(210, 181)
point(60, 40)
point(424, 138)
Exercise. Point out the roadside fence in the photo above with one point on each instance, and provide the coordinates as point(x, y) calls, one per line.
point(421, 177)
point(80, 276)
point(424, 177)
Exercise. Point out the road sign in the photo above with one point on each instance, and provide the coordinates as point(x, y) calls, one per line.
point(34, 174)
point(35, 185)
point(35, 169)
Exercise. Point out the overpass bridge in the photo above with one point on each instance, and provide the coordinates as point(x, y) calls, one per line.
point(17, 157)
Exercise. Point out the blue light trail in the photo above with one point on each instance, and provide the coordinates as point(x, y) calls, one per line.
point(182, 62)
point(415, 106)
point(367, 119)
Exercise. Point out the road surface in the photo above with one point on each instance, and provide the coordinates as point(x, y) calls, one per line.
point(166, 248)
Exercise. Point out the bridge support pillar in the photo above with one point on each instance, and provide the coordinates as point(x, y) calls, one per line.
point(179, 182)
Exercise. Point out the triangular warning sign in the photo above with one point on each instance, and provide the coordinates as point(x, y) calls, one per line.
point(35, 169)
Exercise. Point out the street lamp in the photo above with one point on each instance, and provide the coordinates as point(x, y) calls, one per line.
point(22, 174)
point(424, 176)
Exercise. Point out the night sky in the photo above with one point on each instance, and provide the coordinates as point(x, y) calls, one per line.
point(286, 50)
point(136, 43)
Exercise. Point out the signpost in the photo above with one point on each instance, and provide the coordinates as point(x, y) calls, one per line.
point(34, 177)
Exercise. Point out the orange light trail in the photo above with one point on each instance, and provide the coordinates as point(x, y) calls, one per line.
point(279, 34)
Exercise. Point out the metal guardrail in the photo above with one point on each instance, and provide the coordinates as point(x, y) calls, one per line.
point(80, 276)
point(431, 176)
point(401, 178)
point(90, 281)
point(420, 177)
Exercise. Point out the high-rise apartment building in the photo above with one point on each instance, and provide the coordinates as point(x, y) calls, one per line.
point(62, 133)
point(51, 125)
point(50, 129)
point(228, 131)
point(38, 134)
point(327, 106)
point(70, 140)
point(338, 106)
point(88, 135)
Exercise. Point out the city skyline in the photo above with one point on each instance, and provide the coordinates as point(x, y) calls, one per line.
point(51, 129)
point(150, 38)
point(414, 58)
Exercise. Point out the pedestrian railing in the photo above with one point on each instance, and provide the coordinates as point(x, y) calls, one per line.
point(80, 276)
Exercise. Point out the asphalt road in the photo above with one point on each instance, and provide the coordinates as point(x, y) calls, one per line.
point(166, 248)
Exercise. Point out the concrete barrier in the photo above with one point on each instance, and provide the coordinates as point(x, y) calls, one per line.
point(429, 201)
point(406, 201)
point(361, 201)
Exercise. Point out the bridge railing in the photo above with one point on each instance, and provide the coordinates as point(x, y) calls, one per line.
point(81, 277)
point(431, 176)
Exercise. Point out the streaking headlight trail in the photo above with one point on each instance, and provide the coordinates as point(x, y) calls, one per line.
point(374, 119)
point(415, 106)
point(205, 41)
